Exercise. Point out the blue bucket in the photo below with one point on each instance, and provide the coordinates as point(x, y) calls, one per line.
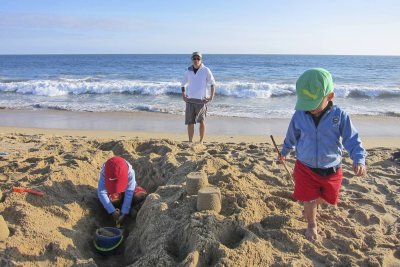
point(107, 239)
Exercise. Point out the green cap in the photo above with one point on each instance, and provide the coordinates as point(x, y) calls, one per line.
point(312, 86)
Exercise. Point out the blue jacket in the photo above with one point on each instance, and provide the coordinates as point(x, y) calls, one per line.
point(320, 147)
point(103, 195)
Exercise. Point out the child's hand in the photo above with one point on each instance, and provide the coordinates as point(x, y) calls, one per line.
point(120, 219)
point(116, 215)
point(281, 158)
point(359, 169)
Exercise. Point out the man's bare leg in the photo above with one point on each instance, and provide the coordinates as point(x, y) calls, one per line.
point(202, 131)
point(190, 132)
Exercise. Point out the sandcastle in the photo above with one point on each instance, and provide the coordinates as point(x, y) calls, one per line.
point(209, 198)
point(195, 181)
point(4, 232)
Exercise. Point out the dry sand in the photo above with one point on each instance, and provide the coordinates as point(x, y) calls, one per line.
point(259, 224)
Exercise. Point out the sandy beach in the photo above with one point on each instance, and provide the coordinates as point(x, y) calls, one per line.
point(83, 82)
point(61, 153)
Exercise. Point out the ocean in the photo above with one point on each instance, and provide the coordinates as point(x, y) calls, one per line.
point(247, 86)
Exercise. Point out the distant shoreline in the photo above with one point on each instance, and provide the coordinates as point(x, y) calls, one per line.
point(374, 131)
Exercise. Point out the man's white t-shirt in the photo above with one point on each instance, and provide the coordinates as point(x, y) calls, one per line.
point(198, 82)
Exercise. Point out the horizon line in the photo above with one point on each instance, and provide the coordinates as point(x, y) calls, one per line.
point(249, 54)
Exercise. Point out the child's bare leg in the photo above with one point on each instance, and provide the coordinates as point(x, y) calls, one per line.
point(320, 202)
point(310, 212)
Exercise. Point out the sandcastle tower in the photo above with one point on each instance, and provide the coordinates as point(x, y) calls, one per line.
point(209, 198)
point(195, 181)
point(4, 232)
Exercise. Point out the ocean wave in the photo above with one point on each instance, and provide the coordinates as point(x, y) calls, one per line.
point(88, 86)
point(92, 108)
point(240, 89)
point(363, 91)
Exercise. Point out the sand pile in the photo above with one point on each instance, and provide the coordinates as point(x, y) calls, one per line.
point(259, 224)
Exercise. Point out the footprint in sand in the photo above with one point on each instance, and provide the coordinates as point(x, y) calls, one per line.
point(369, 202)
point(283, 194)
point(276, 221)
point(358, 188)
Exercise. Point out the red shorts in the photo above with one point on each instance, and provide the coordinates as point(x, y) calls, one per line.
point(116, 197)
point(309, 185)
point(138, 189)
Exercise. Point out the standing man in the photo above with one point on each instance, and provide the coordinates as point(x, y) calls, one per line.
point(197, 77)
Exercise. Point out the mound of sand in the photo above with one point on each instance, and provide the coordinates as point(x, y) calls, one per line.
point(259, 224)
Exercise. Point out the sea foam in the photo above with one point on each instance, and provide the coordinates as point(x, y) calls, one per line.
point(242, 89)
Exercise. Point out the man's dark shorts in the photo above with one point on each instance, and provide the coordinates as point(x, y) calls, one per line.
point(196, 111)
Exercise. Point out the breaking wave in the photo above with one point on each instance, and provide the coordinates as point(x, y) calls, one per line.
point(241, 89)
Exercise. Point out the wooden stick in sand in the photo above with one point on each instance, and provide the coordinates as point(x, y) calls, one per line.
point(279, 154)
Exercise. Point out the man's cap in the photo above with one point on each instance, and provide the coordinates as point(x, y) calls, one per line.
point(197, 54)
point(116, 175)
point(311, 88)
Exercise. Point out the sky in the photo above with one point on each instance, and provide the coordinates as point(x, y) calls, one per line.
point(340, 27)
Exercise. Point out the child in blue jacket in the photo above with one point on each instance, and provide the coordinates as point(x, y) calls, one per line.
point(117, 189)
point(314, 132)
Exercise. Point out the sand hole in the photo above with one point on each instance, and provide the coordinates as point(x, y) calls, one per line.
point(149, 175)
point(102, 219)
point(231, 236)
point(210, 258)
point(176, 249)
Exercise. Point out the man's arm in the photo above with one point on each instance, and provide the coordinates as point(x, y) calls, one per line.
point(211, 81)
point(208, 99)
point(184, 96)
point(212, 92)
point(184, 82)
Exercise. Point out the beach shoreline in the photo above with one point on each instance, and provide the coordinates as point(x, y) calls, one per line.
point(375, 131)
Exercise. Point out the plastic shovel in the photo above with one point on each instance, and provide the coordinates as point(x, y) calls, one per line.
point(27, 190)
